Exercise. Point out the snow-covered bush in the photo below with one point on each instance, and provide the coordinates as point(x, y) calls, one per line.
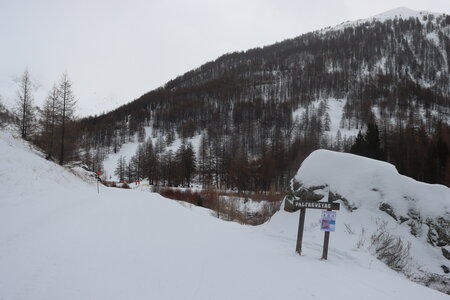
point(390, 249)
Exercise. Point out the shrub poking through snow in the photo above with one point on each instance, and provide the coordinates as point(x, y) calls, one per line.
point(390, 249)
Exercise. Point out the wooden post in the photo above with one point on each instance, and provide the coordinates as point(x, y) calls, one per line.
point(326, 239)
point(301, 225)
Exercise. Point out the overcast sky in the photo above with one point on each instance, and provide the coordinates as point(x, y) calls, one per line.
point(114, 51)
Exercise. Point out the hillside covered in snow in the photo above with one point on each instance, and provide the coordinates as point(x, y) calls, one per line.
point(61, 239)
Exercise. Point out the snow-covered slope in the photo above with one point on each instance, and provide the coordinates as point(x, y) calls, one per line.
point(60, 239)
point(128, 150)
point(373, 193)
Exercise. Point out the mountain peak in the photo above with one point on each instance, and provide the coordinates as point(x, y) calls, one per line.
point(395, 13)
point(401, 13)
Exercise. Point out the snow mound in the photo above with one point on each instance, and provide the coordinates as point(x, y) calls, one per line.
point(368, 182)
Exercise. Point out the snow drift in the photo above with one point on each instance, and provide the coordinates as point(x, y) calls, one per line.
point(367, 182)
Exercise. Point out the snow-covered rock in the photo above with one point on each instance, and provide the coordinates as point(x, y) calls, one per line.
point(372, 193)
point(368, 182)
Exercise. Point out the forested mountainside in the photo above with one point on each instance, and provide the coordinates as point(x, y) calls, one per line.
point(262, 111)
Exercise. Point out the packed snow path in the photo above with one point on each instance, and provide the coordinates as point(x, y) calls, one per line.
point(59, 239)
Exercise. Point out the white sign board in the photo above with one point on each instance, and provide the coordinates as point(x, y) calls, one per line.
point(328, 221)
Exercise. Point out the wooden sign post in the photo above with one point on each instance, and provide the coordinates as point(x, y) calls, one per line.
point(303, 205)
point(97, 176)
point(301, 226)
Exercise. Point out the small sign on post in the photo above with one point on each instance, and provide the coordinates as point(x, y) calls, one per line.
point(328, 221)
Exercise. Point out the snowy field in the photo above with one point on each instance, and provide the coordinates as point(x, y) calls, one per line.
point(60, 239)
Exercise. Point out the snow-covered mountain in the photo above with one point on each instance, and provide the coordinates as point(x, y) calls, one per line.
point(283, 101)
point(60, 239)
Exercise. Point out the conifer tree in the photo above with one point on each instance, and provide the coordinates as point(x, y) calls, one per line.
point(67, 112)
point(50, 120)
point(120, 168)
point(24, 112)
point(372, 139)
